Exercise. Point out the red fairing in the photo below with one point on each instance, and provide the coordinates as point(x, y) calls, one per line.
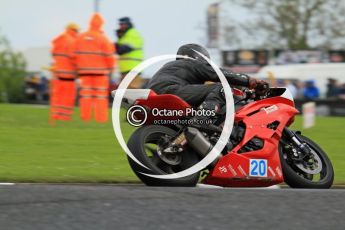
point(238, 169)
point(163, 101)
point(254, 106)
point(152, 93)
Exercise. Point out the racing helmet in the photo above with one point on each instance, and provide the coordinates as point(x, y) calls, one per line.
point(191, 50)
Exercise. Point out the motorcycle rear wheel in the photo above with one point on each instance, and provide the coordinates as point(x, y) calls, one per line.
point(144, 143)
point(296, 178)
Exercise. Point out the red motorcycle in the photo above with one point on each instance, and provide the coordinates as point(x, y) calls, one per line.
point(261, 151)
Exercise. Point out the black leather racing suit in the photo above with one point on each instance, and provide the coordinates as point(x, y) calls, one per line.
point(186, 77)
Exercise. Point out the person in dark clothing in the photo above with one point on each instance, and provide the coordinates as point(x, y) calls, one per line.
point(333, 88)
point(185, 78)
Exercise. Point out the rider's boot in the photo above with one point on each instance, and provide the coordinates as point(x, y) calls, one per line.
point(206, 114)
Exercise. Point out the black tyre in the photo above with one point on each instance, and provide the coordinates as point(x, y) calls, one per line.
point(297, 178)
point(143, 144)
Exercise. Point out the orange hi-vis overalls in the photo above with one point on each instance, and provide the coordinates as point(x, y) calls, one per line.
point(62, 96)
point(94, 57)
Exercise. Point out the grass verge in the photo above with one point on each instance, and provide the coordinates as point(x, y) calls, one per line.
point(31, 150)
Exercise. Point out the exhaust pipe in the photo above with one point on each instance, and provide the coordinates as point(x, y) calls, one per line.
point(199, 143)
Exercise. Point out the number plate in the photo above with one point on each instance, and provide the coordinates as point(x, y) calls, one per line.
point(258, 168)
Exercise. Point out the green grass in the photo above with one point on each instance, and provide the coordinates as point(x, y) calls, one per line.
point(329, 133)
point(31, 150)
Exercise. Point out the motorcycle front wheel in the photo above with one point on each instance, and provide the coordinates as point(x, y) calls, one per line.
point(314, 172)
point(145, 144)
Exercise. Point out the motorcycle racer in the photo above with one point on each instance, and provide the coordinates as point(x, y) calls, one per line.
point(186, 77)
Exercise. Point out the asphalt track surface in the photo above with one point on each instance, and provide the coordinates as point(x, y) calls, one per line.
point(116, 207)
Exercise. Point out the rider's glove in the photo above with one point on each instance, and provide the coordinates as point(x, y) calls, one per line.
point(257, 84)
point(261, 87)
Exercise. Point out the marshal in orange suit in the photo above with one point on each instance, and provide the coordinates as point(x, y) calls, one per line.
point(62, 97)
point(94, 58)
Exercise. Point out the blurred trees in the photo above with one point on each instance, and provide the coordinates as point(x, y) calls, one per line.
point(293, 24)
point(12, 73)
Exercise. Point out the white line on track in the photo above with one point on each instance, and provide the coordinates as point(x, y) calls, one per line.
point(6, 183)
point(208, 186)
point(219, 187)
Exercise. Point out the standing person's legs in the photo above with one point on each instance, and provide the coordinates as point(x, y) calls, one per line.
point(68, 98)
point(54, 99)
point(86, 99)
point(101, 95)
point(59, 111)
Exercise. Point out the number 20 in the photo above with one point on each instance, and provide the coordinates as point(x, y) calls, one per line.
point(258, 168)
